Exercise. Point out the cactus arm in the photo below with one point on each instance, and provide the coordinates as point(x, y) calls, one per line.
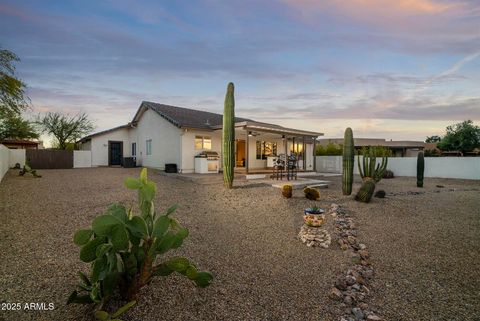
point(360, 167)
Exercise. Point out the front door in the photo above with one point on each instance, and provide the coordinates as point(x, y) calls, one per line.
point(115, 153)
point(240, 153)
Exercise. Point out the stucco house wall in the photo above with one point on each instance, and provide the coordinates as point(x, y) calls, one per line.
point(188, 147)
point(99, 145)
point(166, 141)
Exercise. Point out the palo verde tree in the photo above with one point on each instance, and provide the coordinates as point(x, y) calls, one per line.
point(65, 129)
point(228, 137)
point(13, 99)
point(122, 249)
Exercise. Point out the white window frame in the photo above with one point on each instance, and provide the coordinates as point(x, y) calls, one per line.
point(203, 138)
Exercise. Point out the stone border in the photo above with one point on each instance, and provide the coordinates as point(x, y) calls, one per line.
point(351, 289)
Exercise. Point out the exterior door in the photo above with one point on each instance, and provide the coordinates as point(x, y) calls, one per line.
point(115, 153)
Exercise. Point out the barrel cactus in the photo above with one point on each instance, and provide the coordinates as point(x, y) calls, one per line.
point(228, 137)
point(287, 190)
point(122, 249)
point(348, 160)
point(366, 191)
point(420, 169)
point(371, 173)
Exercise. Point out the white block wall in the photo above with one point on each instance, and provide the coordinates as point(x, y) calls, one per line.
point(4, 160)
point(82, 158)
point(17, 156)
point(443, 167)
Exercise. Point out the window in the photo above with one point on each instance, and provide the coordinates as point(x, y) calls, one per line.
point(149, 147)
point(134, 149)
point(265, 149)
point(203, 142)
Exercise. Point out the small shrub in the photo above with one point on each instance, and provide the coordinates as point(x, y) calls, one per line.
point(380, 194)
point(388, 174)
point(311, 193)
point(287, 191)
point(122, 249)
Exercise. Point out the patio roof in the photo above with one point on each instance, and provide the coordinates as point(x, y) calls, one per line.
point(271, 128)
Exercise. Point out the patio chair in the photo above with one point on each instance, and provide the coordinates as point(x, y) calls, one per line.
point(292, 167)
point(278, 167)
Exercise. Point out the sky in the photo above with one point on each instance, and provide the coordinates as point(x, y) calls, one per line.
point(400, 70)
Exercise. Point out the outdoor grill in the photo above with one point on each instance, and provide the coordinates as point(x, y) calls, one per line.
point(209, 155)
point(207, 162)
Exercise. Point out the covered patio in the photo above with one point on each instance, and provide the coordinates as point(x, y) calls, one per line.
point(257, 145)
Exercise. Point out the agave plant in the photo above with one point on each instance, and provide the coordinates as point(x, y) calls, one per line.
point(122, 248)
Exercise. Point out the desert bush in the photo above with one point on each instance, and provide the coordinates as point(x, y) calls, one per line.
point(28, 170)
point(311, 193)
point(121, 248)
point(388, 174)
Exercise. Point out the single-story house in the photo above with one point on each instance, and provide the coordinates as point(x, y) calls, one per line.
point(161, 134)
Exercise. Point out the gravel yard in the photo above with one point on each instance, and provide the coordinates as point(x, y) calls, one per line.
point(425, 248)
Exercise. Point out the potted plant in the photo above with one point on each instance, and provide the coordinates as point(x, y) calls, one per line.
point(314, 216)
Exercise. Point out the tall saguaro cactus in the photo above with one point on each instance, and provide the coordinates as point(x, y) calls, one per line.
point(420, 169)
point(348, 160)
point(228, 136)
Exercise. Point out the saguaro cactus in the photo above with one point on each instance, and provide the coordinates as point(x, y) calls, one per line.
point(420, 169)
point(228, 136)
point(348, 160)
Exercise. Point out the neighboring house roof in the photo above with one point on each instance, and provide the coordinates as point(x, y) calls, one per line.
point(198, 119)
point(19, 142)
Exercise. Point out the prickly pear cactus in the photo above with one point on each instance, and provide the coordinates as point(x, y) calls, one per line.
point(121, 248)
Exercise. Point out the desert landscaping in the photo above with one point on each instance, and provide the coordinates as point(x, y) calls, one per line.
point(419, 246)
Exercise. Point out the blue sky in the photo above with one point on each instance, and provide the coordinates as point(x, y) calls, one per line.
point(400, 69)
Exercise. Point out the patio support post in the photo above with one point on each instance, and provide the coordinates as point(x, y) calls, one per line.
point(286, 147)
point(314, 154)
point(247, 161)
point(304, 165)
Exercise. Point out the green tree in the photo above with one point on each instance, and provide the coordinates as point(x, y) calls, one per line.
point(463, 137)
point(16, 127)
point(433, 139)
point(65, 129)
point(13, 99)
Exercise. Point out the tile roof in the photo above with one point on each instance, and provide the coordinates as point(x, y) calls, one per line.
point(189, 118)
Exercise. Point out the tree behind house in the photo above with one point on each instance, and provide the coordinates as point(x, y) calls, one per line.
point(463, 137)
point(65, 129)
point(15, 127)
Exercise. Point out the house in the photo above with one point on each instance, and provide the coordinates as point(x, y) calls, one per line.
point(161, 134)
point(399, 148)
point(22, 144)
